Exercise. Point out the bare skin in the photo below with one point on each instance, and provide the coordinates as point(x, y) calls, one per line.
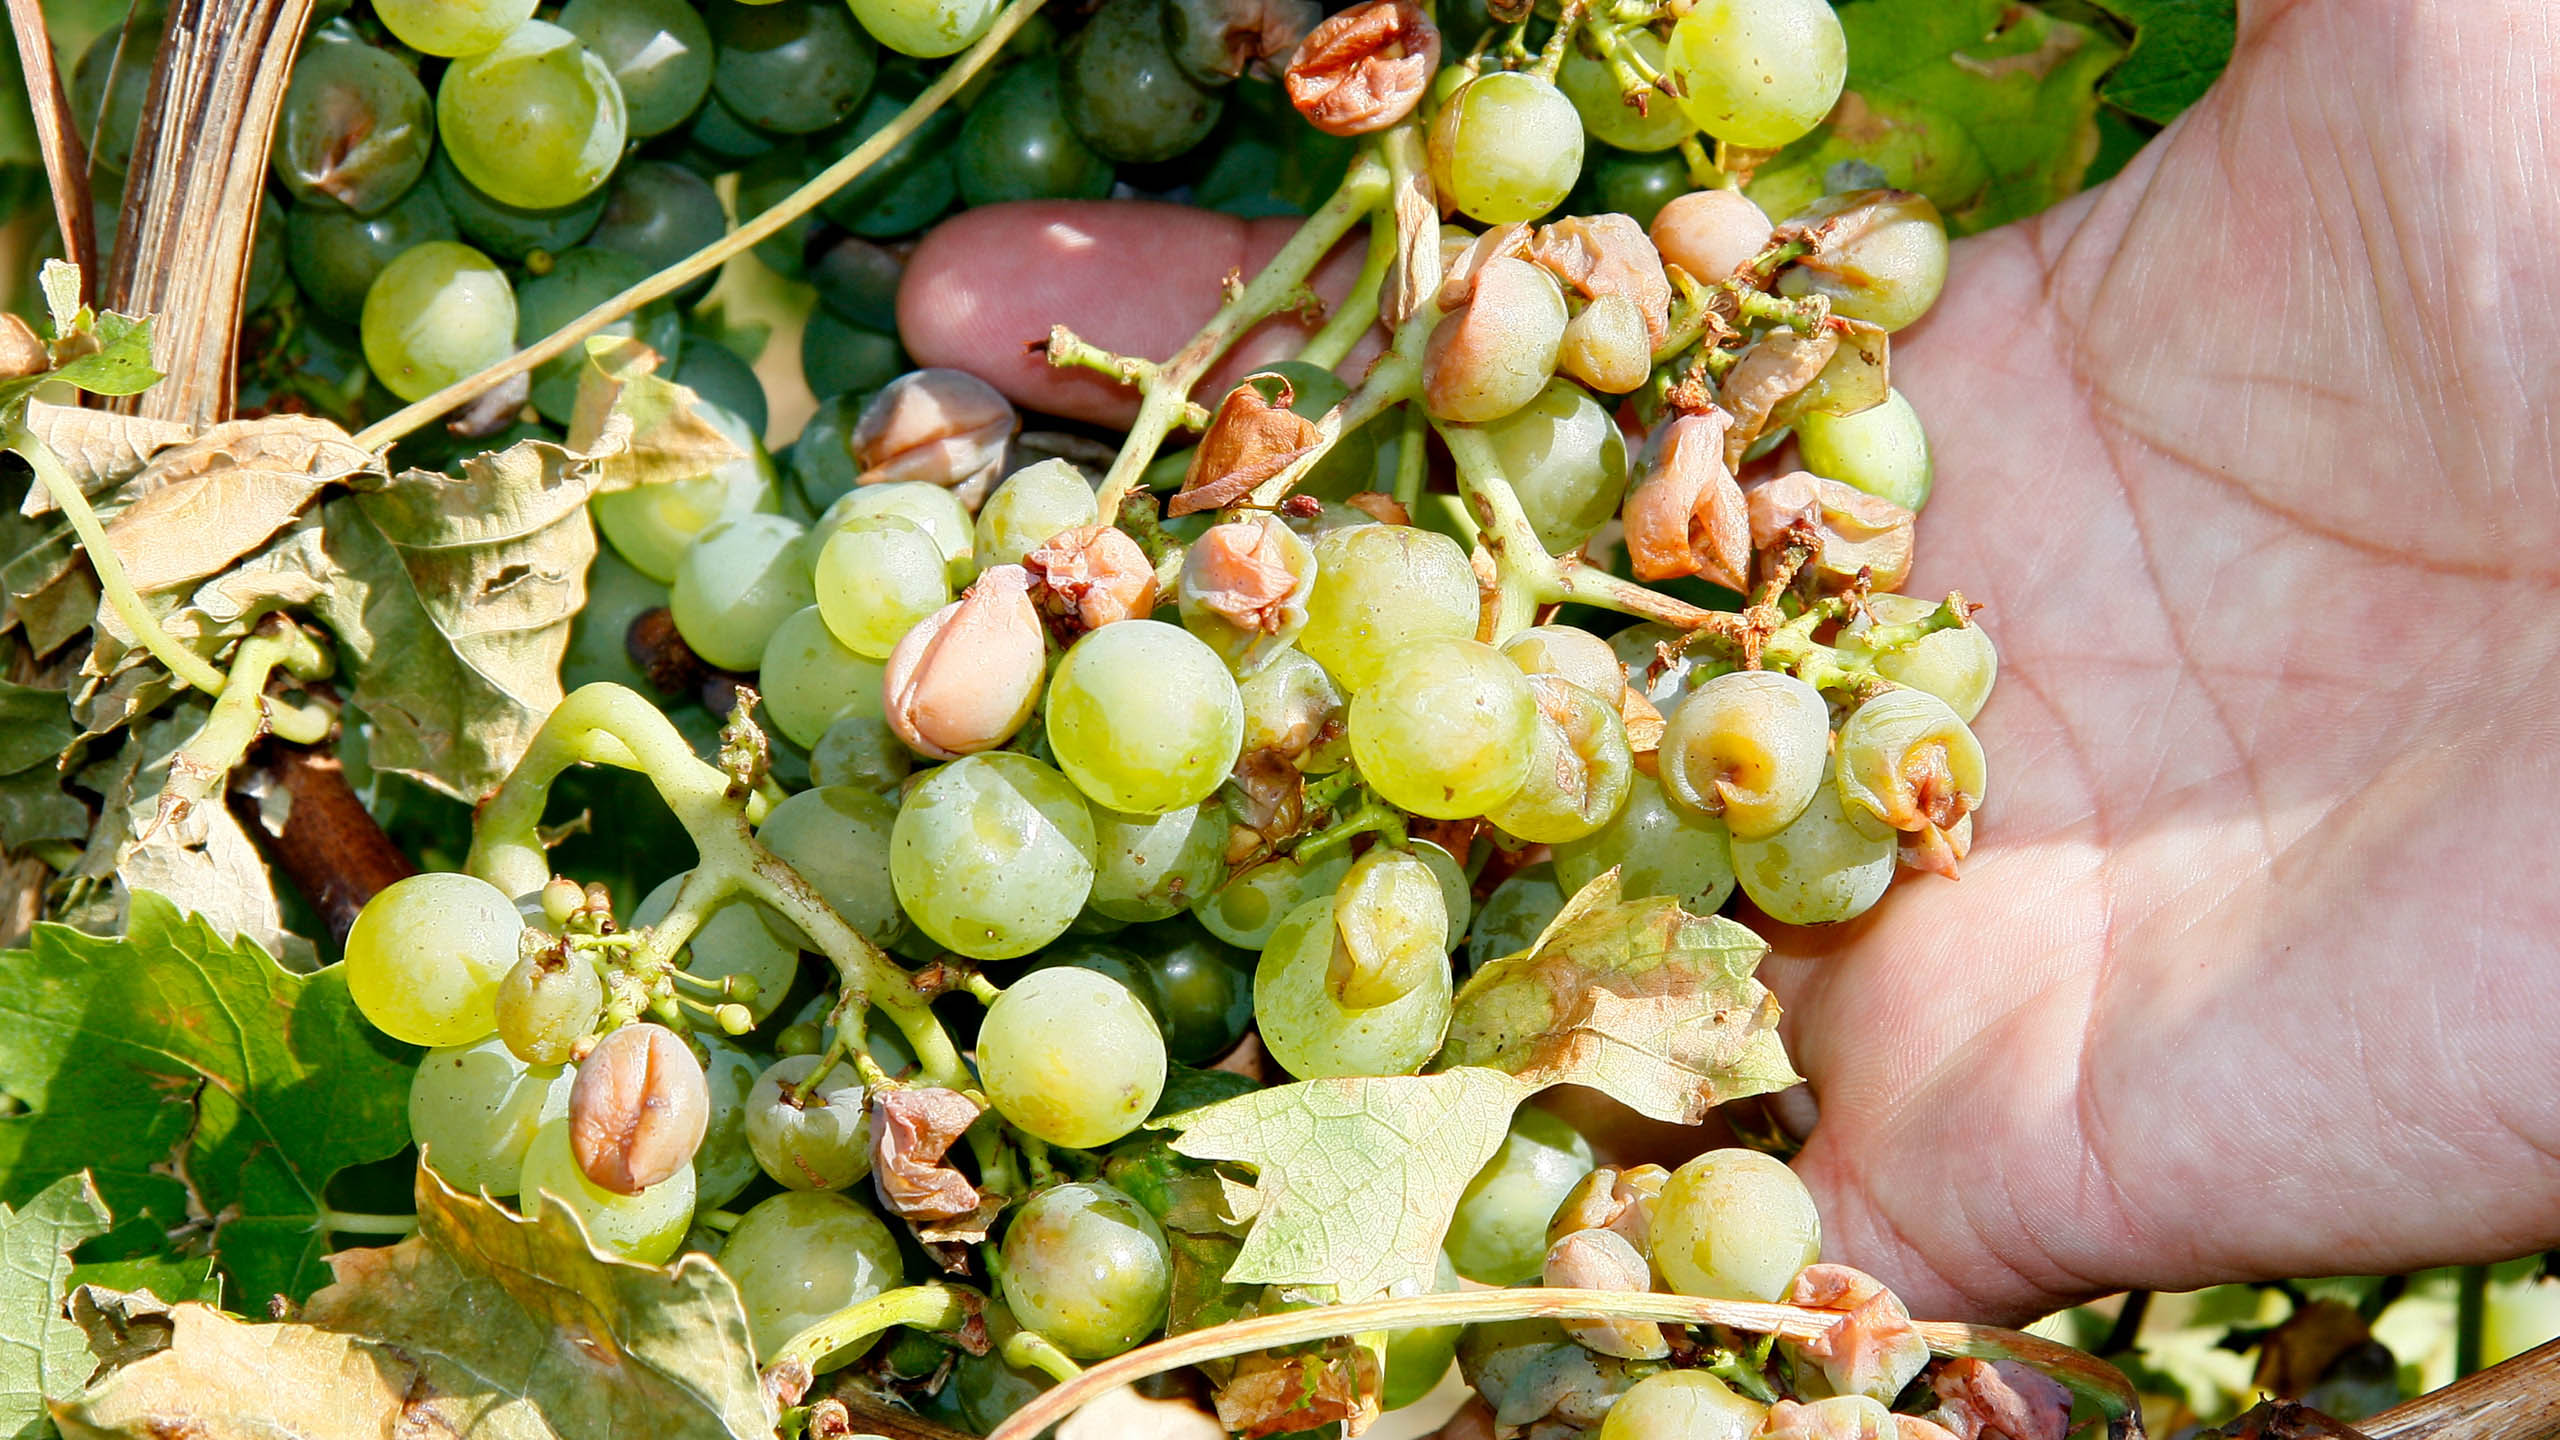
point(2251, 454)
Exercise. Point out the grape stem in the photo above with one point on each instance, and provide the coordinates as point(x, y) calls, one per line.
point(934, 1306)
point(1394, 379)
point(1359, 310)
point(1166, 392)
point(243, 712)
point(351, 1222)
point(606, 724)
point(1066, 348)
point(190, 668)
point(1551, 59)
point(1031, 1350)
point(711, 257)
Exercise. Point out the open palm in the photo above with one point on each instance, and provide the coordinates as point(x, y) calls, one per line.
point(2250, 453)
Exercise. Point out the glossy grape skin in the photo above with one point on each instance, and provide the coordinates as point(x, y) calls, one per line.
point(1569, 654)
point(877, 575)
point(715, 372)
point(1749, 746)
point(1204, 985)
point(1734, 1225)
point(1393, 928)
point(1682, 1405)
point(578, 281)
point(809, 679)
point(1447, 730)
point(1824, 866)
point(858, 281)
point(658, 50)
point(860, 749)
point(647, 1227)
point(1418, 1357)
point(1017, 144)
point(726, 1163)
point(1499, 1234)
point(1087, 1267)
point(794, 67)
point(1515, 914)
point(992, 855)
point(1566, 459)
point(437, 314)
point(927, 29)
point(1506, 146)
point(802, 1256)
point(1882, 451)
point(738, 581)
point(1033, 504)
point(929, 507)
point(653, 525)
point(741, 937)
point(1879, 745)
point(355, 128)
point(1579, 767)
point(1456, 898)
point(823, 1143)
point(1657, 848)
point(1250, 907)
point(425, 955)
point(1149, 867)
point(1890, 273)
point(838, 838)
point(904, 190)
point(512, 232)
point(546, 1005)
point(1308, 1029)
point(660, 214)
point(452, 27)
point(1593, 87)
point(1071, 1056)
point(473, 1110)
point(1760, 73)
point(537, 123)
point(1124, 94)
point(1144, 718)
point(335, 254)
point(1637, 186)
point(1957, 666)
point(1379, 587)
point(839, 356)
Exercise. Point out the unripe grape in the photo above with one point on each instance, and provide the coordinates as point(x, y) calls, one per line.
point(648, 1227)
point(1498, 1235)
point(1826, 865)
point(993, 855)
point(1447, 731)
point(439, 313)
point(822, 1142)
point(1759, 73)
point(1881, 450)
point(1144, 718)
point(1689, 1404)
point(1734, 1225)
point(1506, 146)
point(801, 1256)
point(877, 576)
point(424, 958)
point(1088, 1267)
point(1379, 587)
point(1565, 457)
point(536, 122)
point(547, 1003)
point(1034, 503)
point(473, 1111)
point(1071, 1056)
point(442, 27)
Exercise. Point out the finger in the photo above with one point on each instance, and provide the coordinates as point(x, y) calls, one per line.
point(1135, 277)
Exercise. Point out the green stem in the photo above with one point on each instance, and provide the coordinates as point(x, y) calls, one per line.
point(1031, 1350)
point(701, 893)
point(1551, 59)
point(1167, 391)
point(934, 1306)
point(2470, 1320)
point(1396, 378)
point(182, 662)
point(352, 1222)
point(1068, 349)
point(241, 710)
point(1359, 310)
point(1413, 455)
point(711, 257)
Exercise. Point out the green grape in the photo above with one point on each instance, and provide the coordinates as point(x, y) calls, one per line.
point(647, 1227)
point(1601, 99)
point(658, 50)
point(929, 507)
point(1017, 144)
point(1685, 1405)
point(1144, 717)
point(809, 680)
point(1759, 73)
point(1072, 1056)
point(1566, 459)
point(802, 1256)
point(738, 581)
point(1393, 926)
point(1148, 867)
point(660, 215)
point(511, 232)
point(1957, 666)
point(928, 29)
point(452, 27)
point(1821, 867)
point(537, 123)
point(1657, 848)
point(425, 955)
point(877, 575)
point(1447, 730)
point(986, 1391)
point(1888, 268)
point(1499, 1234)
point(1570, 654)
point(1882, 451)
point(335, 254)
point(715, 372)
point(1123, 92)
point(1515, 914)
point(726, 1164)
point(1379, 587)
point(547, 1004)
point(822, 458)
point(1033, 505)
point(1748, 746)
point(1113, 962)
point(578, 281)
point(1293, 709)
point(439, 313)
point(1734, 1225)
point(905, 190)
point(837, 837)
point(653, 525)
point(1506, 146)
point(822, 1142)
point(616, 595)
point(718, 132)
point(839, 356)
point(354, 128)
point(1907, 761)
point(767, 181)
point(473, 1110)
point(860, 749)
point(1457, 899)
point(1579, 767)
point(1205, 987)
point(796, 66)
point(1418, 1357)
point(1638, 186)
point(740, 937)
point(993, 855)
point(1087, 1267)
point(1249, 908)
point(1308, 1029)
point(859, 282)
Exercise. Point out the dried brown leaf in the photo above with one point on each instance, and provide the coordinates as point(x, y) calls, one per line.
point(911, 1131)
point(101, 450)
point(1281, 1394)
point(199, 506)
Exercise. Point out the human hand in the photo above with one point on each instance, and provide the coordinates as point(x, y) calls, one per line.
point(2250, 454)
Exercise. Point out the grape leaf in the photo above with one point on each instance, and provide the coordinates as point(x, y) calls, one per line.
point(200, 506)
point(170, 1052)
point(2180, 47)
point(644, 428)
point(1656, 1007)
point(1986, 107)
point(42, 1355)
point(171, 1278)
point(101, 449)
point(35, 724)
point(482, 1324)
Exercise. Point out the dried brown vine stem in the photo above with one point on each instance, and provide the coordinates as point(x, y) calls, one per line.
point(2516, 1400)
point(66, 160)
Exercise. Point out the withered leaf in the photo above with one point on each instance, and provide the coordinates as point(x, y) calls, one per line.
point(911, 1130)
point(101, 450)
point(198, 506)
point(1251, 439)
point(642, 428)
point(1273, 1394)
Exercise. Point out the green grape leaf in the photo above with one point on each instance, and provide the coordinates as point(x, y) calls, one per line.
point(2180, 47)
point(1986, 107)
point(193, 1076)
point(35, 725)
point(34, 808)
point(643, 428)
point(482, 1324)
point(169, 1278)
point(1656, 1007)
point(1357, 1178)
point(121, 365)
point(42, 1355)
